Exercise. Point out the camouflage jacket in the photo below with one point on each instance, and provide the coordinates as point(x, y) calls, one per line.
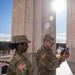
point(47, 61)
point(19, 65)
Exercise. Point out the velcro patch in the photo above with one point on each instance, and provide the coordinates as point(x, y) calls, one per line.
point(22, 66)
point(43, 55)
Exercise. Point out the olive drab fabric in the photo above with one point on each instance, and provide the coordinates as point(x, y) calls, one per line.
point(19, 65)
point(20, 38)
point(46, 61)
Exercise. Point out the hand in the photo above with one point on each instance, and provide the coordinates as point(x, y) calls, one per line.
point(65, 56)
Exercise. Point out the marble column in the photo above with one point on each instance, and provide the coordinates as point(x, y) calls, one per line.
point(71, 29)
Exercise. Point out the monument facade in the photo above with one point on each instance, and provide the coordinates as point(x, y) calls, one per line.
point(33, 18)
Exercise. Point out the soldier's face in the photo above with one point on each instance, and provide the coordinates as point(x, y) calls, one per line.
point(25, 47)
point(48, 44)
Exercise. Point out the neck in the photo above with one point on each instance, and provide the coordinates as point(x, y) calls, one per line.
point(20, 51)
point(46, 46)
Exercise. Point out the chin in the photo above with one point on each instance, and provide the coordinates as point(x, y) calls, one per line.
point(50, 47)
point(24, 50)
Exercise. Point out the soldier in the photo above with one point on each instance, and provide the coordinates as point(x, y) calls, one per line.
point(46, 60)
point(19, 64)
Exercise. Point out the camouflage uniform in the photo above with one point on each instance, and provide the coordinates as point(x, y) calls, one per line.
point(19, 64)
point(46, 60)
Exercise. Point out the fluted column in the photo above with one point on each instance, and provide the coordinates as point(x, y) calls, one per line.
point(71, 29)
point(30, 17)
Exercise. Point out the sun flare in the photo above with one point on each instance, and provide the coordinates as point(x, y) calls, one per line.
point(59, 6)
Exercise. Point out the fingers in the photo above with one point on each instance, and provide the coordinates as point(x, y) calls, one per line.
point(65, 56)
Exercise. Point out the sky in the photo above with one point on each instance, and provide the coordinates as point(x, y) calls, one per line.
point(6, 22)
point(5, 16)
point(61, 22)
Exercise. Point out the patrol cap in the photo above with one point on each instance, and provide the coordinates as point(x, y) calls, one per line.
point(20, 38)
point(49, 38)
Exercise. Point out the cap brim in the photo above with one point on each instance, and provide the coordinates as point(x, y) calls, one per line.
point(28, 41)
point(53, 42)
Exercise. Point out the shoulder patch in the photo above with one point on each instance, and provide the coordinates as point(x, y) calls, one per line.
point(22, 66)
point(43, 55)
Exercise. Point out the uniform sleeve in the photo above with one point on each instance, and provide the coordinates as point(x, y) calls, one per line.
point(48, 65)
point(30, 68)
point(41, 61)
point(54, 64)
point(24, 67)
point(48, 62)
point(11, 68)
point(60, 61)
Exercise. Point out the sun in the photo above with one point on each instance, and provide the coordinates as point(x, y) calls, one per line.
point(59, 6)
